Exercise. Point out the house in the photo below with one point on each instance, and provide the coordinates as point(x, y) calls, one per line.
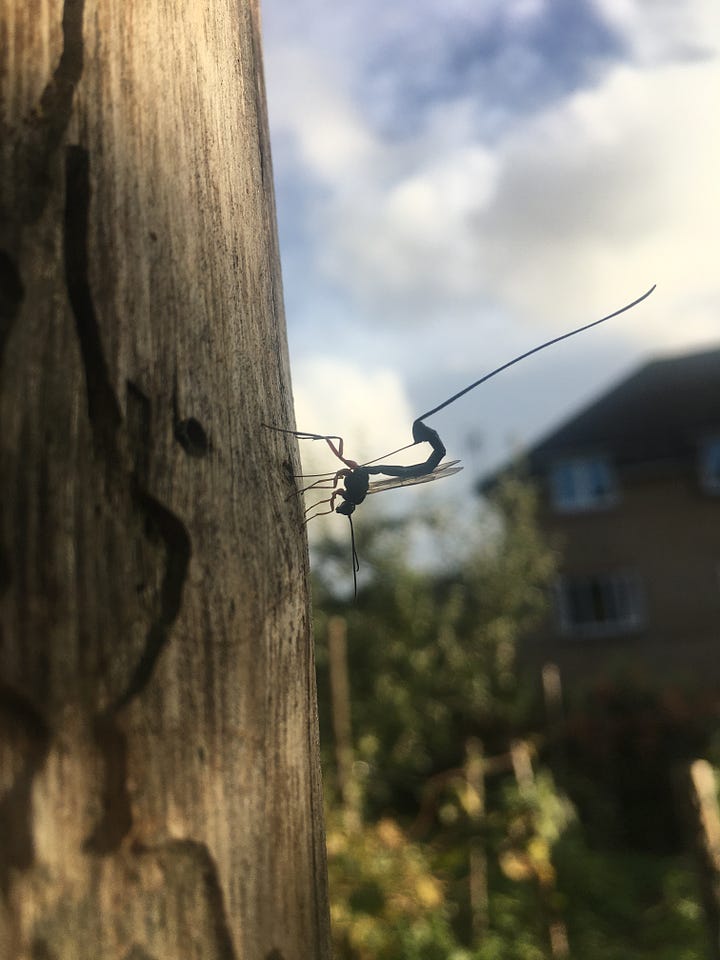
point(630, 492)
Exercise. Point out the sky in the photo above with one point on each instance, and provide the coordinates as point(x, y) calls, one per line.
point(459, 181)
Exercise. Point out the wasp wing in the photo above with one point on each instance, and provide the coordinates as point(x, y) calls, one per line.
point(444, 470)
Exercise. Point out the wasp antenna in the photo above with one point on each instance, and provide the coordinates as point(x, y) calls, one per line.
point(529, 353)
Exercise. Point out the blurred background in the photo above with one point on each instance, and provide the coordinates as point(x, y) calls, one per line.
point(520, 710)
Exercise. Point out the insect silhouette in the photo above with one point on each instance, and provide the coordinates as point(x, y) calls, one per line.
point(355, 477)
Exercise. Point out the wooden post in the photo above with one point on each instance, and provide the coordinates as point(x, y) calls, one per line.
point(698, 799)
point(552, 692)
point(553, 922)
point(159, 773)
point(555, 714)
point(478, 872)
point(522, 767)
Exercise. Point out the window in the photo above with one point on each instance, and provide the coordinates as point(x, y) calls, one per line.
point(582, 483)
point(599, 606)
point(710, 465)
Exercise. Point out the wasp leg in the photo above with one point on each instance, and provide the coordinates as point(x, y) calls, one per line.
point(331, 508)
point(337, 477)
point(327, 437)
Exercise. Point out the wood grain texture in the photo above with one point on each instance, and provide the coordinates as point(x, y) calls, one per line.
point(159, 773)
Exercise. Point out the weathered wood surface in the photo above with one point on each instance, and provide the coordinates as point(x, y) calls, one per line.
point(159, 778)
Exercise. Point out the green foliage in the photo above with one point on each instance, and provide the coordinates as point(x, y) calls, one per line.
point(432, 672)
point(624, 905)
point(387, 903)
point(432, 658)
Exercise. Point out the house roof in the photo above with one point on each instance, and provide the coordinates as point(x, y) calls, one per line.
point(659, 413)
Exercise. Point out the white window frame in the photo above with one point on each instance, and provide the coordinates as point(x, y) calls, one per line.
point(600, 605)
point(583, 483)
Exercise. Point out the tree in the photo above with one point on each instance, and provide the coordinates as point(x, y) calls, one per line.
point(432, 655)
point(443, 773)
point(463, 841)
point(159, 776)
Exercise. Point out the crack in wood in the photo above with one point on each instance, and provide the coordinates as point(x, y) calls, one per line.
point(203, 863)
point(46, 125)
point(103, 408)
point(116, 820)
point(12, 291)
point(12, 294)
point(176, 541)
point(24, 730)
point(189, 432)
point(160, 523)
point(40, 950)
point(191, 436)
point(106, 420)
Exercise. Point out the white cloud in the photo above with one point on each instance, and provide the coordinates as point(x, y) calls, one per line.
point(440, 247)
point(662, 30)
point(313, 111)
point(447, 188)
point(522, 11)
point(405, 249)
point(611, 191)
point(596, 198)
point(368, 408)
